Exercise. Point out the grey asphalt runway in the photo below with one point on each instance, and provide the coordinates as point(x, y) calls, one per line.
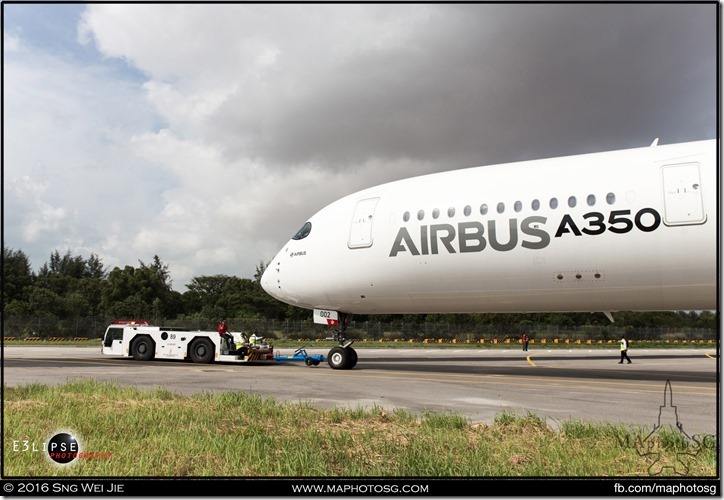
point(555, 384)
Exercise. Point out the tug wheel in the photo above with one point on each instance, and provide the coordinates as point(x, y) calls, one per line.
point(143, 348)
point(202, 351)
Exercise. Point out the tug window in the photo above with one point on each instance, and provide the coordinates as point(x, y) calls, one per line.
point(303, 232)
point(113, 334)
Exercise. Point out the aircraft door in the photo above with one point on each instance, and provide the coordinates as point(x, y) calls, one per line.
point(360, 233)
point(683, 203)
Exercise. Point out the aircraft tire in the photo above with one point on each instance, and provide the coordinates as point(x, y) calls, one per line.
point(202, 351)
point(143, 348)
point(352, 358)
point(338, 358)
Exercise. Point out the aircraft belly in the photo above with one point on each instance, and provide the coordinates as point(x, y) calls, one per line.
point(551, 300)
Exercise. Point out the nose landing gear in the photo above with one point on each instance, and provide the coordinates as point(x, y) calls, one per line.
point(342, 357)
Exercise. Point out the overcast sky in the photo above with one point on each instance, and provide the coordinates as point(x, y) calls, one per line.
point(208, 134)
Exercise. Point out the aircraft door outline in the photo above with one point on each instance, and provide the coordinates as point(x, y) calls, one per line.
point(360, 232)
point(683, 199)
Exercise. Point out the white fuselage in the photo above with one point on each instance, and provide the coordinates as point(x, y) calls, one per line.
point(622, 230)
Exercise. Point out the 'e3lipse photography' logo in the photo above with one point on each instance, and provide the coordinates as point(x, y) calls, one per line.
point(63, 448)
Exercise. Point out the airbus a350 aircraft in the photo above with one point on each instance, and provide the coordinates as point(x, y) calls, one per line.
point(631, 230)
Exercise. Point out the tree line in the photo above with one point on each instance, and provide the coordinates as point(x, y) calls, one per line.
point(69, 286)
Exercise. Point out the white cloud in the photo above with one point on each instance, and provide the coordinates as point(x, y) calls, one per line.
point(69, 170)
point(11, 41)
point(44, 218)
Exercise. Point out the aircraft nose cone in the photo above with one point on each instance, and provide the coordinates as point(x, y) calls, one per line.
point(268, 281)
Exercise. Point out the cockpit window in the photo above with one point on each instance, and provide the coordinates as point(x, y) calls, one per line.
point(303, 232)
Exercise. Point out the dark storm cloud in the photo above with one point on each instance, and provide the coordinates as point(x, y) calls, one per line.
point(473, 83)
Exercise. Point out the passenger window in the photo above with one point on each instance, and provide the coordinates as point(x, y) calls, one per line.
point(420, 215)
point(467, 210)
point(572, 201)
point(436, 213)
point(535, 205)
point(554, 203)
point(501, 207)
point(591, 200)
point(303, 232)
point(610, 198)
point(518, 206)
point(451, 212)
point(406, 216)
point(483, 209)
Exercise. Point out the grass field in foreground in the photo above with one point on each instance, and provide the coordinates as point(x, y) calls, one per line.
point(160, 433)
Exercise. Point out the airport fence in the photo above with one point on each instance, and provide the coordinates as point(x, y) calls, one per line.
point(45, 328)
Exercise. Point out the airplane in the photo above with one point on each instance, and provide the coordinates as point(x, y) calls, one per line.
point(632, 230)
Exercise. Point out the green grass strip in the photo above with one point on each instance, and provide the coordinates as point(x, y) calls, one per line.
point(160, 433)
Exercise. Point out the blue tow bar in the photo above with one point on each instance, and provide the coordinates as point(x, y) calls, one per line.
point(301, 355)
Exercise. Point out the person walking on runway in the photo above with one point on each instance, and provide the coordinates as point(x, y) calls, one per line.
point(624, 350)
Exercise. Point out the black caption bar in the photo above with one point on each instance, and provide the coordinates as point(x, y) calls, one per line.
point(301, 486)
